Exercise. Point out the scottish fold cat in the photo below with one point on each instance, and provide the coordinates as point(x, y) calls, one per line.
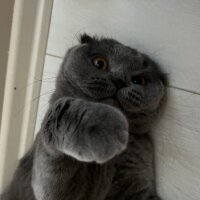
point(94, 141)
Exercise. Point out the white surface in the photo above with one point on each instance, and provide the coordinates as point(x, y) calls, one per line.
point(169, 31)
point(177, 141)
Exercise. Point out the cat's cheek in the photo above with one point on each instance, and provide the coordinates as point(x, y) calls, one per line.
point(128, 104)
point(152, 102)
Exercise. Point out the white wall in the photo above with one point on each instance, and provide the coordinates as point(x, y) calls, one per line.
point(6, 12)
point(169, 31)
point(22, 61)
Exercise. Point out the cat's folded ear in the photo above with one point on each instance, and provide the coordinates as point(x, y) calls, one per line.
point(85, 38)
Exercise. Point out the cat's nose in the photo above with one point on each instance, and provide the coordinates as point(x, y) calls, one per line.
point(119, 83)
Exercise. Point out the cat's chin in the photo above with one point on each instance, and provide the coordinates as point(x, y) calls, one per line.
point(116, 103)
point(113, 102)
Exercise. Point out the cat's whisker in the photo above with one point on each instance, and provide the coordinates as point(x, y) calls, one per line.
point(34, 100)
point(39, 81)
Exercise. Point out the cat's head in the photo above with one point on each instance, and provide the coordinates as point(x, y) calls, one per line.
point(104, 70)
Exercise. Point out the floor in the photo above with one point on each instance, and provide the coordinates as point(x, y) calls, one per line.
point(169, 31)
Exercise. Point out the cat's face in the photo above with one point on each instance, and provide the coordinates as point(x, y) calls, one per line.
point(106, 71)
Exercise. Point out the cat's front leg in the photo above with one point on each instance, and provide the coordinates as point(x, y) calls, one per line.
point(85, 130)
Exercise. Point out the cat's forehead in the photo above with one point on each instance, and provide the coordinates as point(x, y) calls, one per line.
point(112, 47)
point(109, 47)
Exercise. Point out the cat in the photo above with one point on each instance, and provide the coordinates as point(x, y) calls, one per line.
point(94, 140)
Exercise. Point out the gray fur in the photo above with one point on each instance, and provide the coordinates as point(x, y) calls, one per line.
point(93, 143)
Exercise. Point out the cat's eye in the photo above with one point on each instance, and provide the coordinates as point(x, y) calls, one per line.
point(140, 80)
point(100, 63)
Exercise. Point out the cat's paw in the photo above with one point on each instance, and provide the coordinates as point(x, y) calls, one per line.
point(107, 132)
point(90, 131)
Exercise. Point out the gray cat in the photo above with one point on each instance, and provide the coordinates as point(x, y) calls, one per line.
point(93, 143)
